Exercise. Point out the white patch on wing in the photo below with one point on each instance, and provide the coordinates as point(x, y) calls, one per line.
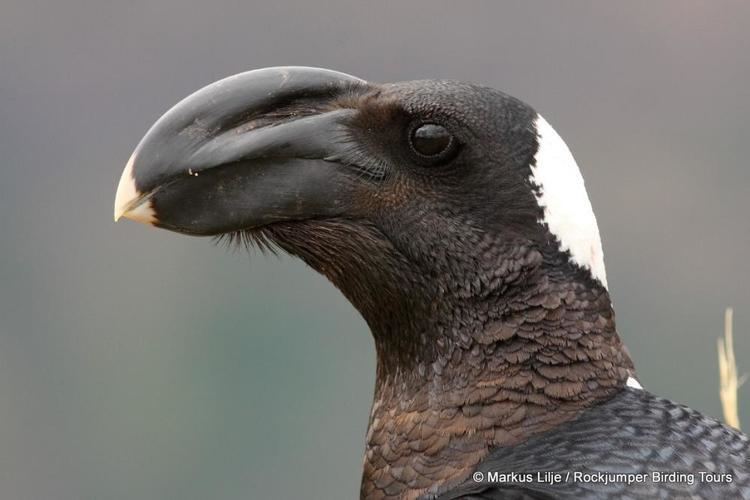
point(562, 195)
point(633, 383)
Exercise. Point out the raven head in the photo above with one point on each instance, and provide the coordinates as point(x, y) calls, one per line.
point(428, 185)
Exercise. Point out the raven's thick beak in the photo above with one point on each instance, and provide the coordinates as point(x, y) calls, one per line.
point(255, 148)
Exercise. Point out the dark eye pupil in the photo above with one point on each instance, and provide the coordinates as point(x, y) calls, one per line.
point(431, 139)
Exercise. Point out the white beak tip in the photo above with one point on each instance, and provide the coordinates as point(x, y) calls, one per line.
point(126, 199)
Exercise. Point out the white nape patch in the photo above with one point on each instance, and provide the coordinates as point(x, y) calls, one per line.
point(127, 194)
point(633, 383)
point(562, 195)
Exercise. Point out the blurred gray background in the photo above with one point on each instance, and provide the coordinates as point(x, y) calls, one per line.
point(139, 364)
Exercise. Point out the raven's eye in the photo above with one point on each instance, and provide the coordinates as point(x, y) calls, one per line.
point(432, 142)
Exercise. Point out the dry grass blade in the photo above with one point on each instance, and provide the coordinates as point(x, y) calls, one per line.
point(729, 383)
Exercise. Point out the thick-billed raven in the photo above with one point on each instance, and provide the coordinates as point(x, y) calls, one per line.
point(456, 220)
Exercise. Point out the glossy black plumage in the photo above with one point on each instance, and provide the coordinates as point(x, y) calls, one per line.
point(633, 433)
